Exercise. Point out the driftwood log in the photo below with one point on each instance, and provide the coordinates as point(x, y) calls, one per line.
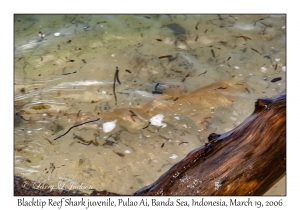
point(248, 160)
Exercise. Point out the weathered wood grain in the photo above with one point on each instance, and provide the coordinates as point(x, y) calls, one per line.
point(248, 160)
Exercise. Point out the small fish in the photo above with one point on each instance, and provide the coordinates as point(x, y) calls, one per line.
point(244, 37)
point(197, 26)
point(213, 53)
point(165, 56)
point(276, 79)
point(255, 50)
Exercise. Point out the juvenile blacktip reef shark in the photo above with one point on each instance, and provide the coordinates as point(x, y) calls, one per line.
point(173, 103)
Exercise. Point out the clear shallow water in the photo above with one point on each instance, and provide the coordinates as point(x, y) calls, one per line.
point(67, 77)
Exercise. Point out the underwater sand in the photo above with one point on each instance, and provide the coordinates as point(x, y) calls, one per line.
point(71, 71)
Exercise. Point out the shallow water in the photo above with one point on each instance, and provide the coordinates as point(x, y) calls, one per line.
point(66, 75)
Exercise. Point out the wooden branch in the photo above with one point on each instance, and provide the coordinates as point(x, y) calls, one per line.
point(248, 160)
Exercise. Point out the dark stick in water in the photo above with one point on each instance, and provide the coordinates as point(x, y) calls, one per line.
point(74, 127)
point(116, 78)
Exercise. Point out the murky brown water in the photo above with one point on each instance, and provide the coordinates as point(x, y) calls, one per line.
point(65, 75)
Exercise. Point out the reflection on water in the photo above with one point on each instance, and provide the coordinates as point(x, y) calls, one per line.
point(156, 111)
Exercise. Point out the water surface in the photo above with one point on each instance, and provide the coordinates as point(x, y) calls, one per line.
point(65, 68)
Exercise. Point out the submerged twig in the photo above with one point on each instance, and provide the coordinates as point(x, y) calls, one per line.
point(185, 78)
point(147, 125)
point(263, 30)
point(213, 53)
point(202, 73)
point(75, 126)
point(70, 73)
point(260, 19)
point(165, 56)
point(227, 61)
point(244, 37)
point(116, 78)
point(197, 26)
point(78, 113)
point(255, 50)
point(132, 114)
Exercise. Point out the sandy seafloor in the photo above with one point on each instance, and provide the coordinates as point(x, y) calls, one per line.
point(70, 66)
